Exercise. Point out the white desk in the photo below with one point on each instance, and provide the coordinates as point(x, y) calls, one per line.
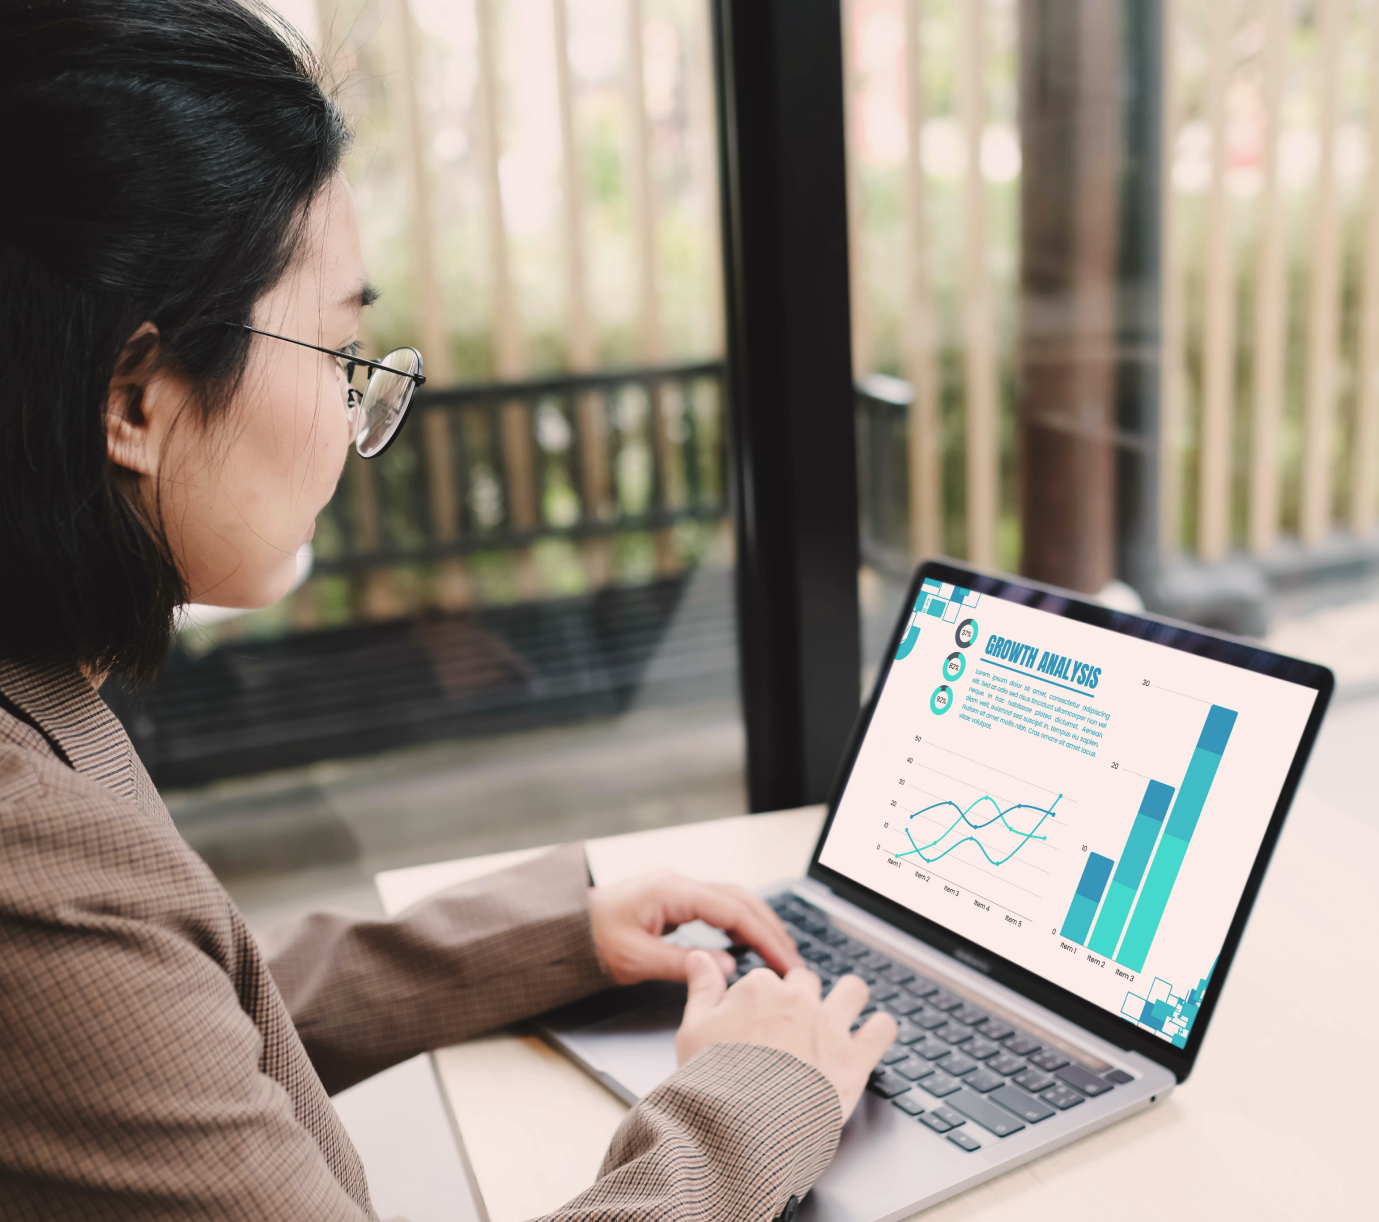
point(1275, 1123)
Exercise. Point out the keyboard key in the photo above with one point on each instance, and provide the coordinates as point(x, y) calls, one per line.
point(994, 1029)
point(957, 1064)
point(894, 1054)
point(814, 926)
point(898, 973)
point(929, 1018)
point(932, 1049)
point(984, 1080)
point(887, 1084)
point(835, 938)
point(884, 991)
point(964, 1141)
point(945, 1000)
point(909, 1102)
point(1062, 1097)
point(985, 1113)
point(954, 1033)
point(922, 986)
point(947, 1114)
point(914, 1071)
point(969, 1015)
point(905, 1003)
point(1034, 1080)
point(1022, 1045)
point(935, 1122)
point(1007, 1063)
point(980, 1047)
point(1119, 1077)
point(908, 1033)
point(1049, 1059)
point(1085, 1081)
point(1027, 1107)
point(940, 1085)
point(874, 960)
point(855, 949)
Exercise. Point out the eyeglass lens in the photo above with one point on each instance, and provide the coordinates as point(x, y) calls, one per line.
point(385, 401)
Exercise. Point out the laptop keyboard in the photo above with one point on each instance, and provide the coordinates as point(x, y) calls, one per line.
point(952, 1065)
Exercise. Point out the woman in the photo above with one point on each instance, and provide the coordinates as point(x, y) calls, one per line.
point(180, 291)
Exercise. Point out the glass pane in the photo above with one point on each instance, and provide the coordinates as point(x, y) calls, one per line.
point(1116, 294)
point(517, 627)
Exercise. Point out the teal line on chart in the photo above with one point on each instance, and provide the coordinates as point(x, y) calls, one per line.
point(918, 850)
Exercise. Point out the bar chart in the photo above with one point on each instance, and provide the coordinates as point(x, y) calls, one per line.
point(1132, 900)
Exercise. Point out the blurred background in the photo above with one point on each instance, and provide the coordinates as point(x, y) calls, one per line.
point(1114, 302)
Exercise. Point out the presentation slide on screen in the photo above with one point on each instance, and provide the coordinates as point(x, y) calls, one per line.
point(1085, 804)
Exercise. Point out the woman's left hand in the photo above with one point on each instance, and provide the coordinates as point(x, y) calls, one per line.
point(629, 919)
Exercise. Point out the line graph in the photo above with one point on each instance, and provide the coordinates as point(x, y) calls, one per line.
point(1005, 851)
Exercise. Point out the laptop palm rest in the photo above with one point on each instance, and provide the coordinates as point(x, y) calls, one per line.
point(624, 1037)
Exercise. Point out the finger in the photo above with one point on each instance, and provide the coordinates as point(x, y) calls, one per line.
point(706, 984)
point(746, 919)
point(803, 980)
point(847, 998)
point(874, 1036)
point(652, 958)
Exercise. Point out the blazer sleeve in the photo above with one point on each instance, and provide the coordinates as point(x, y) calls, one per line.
point(731, 1137)
point(366, 994)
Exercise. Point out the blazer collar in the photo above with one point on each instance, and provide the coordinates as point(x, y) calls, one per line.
point(61, 700)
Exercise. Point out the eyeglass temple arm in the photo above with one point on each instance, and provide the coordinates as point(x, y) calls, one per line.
point(418, 378)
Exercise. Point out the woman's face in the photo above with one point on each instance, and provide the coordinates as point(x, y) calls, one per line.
point(240, 496)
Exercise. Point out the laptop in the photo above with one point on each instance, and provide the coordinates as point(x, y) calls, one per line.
point(1044, 840)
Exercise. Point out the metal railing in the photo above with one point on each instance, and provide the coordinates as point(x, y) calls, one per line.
point(505, 465)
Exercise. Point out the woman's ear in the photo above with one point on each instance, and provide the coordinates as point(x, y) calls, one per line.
point(133, 425)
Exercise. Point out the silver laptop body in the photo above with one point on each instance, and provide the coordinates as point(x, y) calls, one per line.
point(904, 1148)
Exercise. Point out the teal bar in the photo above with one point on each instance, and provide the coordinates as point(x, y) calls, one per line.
point(1119, 897)
point(1163, 873)
point(1079, 919)
point(1089, 888)
point(1153, 899)
point(1139, 845)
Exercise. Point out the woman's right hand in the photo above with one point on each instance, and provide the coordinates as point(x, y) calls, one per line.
point(788, 1014)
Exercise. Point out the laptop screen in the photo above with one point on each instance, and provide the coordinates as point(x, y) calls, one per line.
point(1085, 803)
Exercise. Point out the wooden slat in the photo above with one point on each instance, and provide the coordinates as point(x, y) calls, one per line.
point(926, 504)
point(979, 347)
point(1324, 296)
point(590, 424)
point(1218, 374)
point(516, 431)
point(652, 341)
point(1271, 302)
point(1172, 392)
point(1365, 459)
point(452, 589)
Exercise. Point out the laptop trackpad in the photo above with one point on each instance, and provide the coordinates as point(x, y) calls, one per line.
point(626, 1037)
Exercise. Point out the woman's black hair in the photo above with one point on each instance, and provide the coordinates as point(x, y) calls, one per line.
point(162, 154)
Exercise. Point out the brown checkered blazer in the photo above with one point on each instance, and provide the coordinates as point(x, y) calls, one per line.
point(155, 1064)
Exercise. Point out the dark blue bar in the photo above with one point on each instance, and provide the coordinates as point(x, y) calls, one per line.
point(1155, 804)
point(1217, 731)
point(1094, 876)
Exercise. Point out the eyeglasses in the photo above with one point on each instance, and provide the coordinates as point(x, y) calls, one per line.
point(376, 413)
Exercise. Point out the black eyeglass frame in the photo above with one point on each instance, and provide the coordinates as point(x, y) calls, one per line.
point(351, 360)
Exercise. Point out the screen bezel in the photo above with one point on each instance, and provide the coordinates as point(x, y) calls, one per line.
point(1064, 1002)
